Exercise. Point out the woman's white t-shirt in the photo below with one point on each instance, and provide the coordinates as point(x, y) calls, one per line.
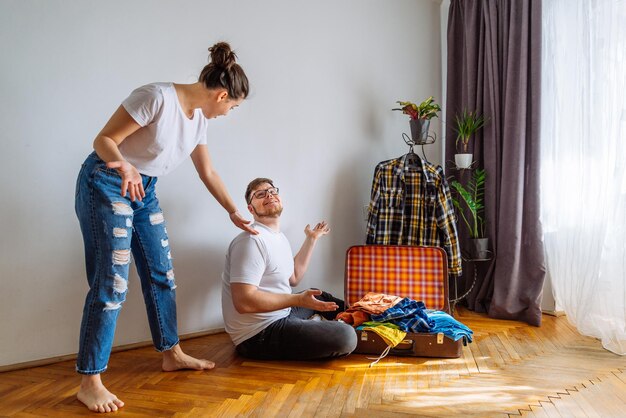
point(167, 136)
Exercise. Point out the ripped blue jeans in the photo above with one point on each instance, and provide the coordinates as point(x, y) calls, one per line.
point(113, 227)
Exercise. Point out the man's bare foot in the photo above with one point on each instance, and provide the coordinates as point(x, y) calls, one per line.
point(175, 359)
point(95, 396)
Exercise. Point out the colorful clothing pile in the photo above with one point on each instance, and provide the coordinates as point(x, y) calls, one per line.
point(403, 315)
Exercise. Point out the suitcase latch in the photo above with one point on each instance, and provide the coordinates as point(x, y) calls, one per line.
point(440, 338)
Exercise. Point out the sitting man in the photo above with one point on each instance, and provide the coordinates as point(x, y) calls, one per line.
point(263, 317)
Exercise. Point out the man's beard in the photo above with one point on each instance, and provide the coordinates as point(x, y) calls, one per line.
point(272, 212)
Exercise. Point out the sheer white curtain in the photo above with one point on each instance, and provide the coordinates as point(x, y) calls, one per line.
point(583, 182)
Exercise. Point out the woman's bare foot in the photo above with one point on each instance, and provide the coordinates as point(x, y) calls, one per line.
point(95, 396)
point(175, 359)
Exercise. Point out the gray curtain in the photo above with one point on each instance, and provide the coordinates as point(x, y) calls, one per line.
point(494, 57)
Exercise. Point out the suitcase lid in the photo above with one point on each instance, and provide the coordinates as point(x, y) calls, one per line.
point(419, 273)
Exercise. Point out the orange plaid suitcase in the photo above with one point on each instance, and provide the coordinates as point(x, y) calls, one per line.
point(419, 273)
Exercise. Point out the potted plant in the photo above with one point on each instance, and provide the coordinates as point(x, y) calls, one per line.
point(466, 124)
point(420, 116)
point(473, 198)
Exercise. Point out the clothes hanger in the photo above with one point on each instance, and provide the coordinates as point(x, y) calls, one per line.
point(412, 159)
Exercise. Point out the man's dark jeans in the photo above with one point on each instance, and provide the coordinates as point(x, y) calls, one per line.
point(296, 337)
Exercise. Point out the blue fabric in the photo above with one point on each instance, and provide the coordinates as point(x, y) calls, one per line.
point(112, 228)
point(412, 316)
point(449, 326)
point(409, 315)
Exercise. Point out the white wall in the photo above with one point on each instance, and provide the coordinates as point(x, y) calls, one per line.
point(444, 10)
point(324, 76)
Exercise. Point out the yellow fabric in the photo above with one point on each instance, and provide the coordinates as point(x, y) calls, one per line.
point(391, 336)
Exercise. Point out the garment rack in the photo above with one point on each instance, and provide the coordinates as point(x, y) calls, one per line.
point(411, 143)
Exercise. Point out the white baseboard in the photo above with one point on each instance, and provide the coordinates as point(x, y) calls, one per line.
point(125, 347)
point(553, 313)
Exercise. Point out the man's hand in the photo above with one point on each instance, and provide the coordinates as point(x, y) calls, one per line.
point(242, 223)
point(308, 300)
point(248, 298)
point(301, 260)
point(320, 229)
point(131, 179)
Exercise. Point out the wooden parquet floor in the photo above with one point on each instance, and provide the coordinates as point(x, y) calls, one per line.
point(511, 369)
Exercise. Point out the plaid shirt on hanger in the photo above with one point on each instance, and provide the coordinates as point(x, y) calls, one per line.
point(411, 205)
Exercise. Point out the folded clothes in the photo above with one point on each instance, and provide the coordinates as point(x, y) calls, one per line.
point(371, 303)
point(375, 303)
point(449, 326)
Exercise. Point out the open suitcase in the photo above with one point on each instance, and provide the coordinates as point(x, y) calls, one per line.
point(419, 273)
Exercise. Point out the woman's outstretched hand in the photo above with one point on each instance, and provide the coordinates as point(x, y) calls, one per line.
point(242, 223)
point(131, 179)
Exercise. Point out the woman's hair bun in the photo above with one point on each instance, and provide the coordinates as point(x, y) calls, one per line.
point(222, 56)
point(224, 73)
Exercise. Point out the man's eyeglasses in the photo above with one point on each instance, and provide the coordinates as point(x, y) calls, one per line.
point(262, 194)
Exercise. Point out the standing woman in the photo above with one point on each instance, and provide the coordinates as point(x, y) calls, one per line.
point(149, 135)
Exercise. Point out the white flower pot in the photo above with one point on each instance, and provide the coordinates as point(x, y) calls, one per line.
point(463, 160)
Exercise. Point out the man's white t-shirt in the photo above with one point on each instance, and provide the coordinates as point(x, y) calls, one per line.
point(167, 136)
point(264, 260)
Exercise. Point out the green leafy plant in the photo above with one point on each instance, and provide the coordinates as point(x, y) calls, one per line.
point(466, 124)
point(428, 109)
point(473, 197)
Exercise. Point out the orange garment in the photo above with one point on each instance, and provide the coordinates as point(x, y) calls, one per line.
point(371, 304)
point(355, 318)
point(375, 303)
